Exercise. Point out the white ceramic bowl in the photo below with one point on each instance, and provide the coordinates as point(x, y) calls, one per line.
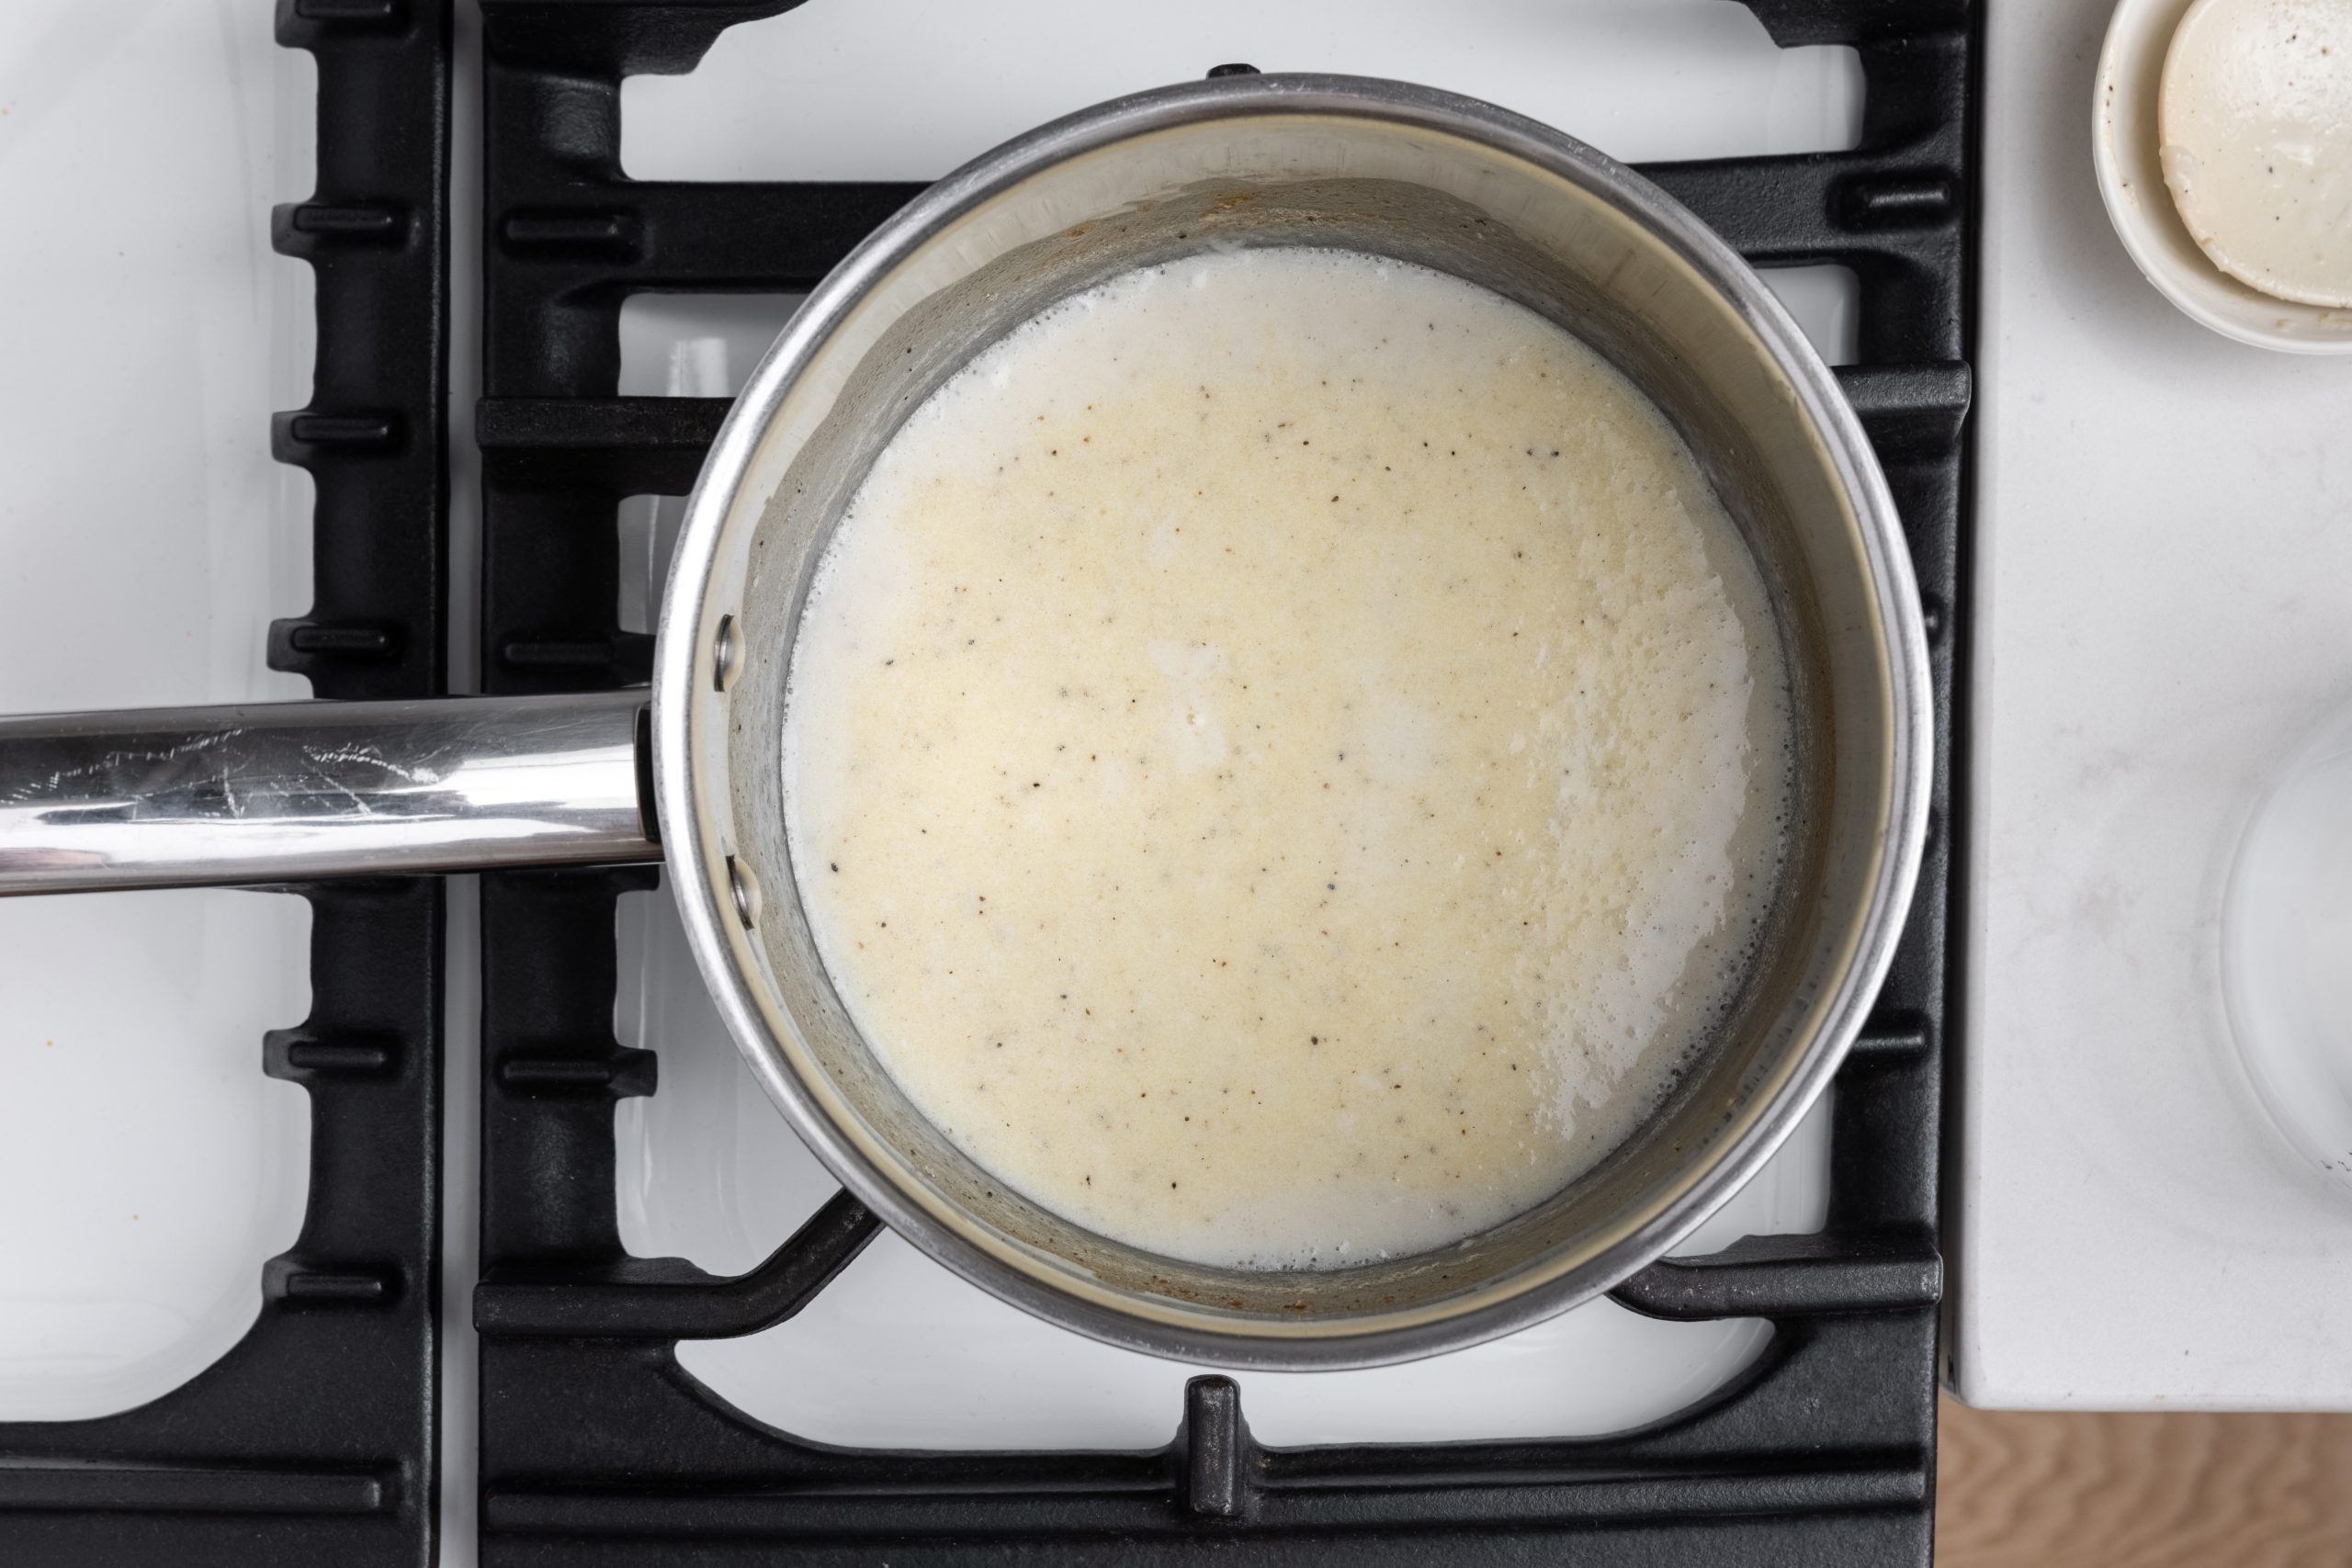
point(2124, 143)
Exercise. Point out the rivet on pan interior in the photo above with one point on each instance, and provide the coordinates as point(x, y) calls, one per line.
point(746, 888)
point(722, 647)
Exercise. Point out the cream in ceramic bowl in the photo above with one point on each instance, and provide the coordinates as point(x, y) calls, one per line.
point(2127, 146)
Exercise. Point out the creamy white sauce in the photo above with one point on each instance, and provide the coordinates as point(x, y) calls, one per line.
point(2255, 113)
point(1286, 756)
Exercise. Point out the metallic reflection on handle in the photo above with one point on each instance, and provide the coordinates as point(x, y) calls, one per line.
point(286, 792)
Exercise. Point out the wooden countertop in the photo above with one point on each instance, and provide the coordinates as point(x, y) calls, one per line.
point(2185, 1490)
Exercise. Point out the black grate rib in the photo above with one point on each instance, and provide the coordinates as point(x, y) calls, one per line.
point(314, 1439)
point(597, 1446)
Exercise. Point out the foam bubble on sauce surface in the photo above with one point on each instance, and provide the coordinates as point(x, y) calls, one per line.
point(1285, 756)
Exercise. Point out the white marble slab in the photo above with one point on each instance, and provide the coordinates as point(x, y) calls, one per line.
point(2163, 608)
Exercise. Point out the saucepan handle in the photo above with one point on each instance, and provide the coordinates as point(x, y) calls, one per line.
point(290, 792)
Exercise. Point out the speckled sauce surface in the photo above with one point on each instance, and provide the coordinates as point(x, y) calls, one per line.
point(1285, 757)
point(2256, 117)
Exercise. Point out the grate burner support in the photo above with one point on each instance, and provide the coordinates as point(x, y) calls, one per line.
point(597, 1446)
point(314, 1439)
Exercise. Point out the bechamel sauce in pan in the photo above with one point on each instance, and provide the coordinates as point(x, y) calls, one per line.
point(1286, 757)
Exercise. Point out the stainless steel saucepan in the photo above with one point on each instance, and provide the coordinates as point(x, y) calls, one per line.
point(689, 771)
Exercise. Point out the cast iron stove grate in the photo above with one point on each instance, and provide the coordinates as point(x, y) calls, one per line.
point(596, 1446)
point(312, 1441)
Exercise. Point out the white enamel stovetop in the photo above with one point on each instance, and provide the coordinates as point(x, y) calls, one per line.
point(148, 538)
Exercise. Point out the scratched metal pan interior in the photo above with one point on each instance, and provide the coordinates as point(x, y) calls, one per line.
point(1649, 312)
